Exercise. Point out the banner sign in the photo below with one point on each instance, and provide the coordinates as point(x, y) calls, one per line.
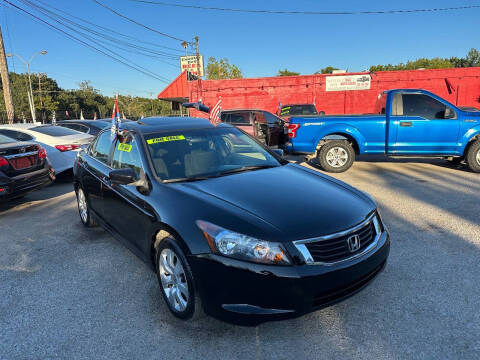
point(351, 82)
point(190, 63)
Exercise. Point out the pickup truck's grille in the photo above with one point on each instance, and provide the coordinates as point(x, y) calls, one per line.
point(342, 246)
point(337, 248)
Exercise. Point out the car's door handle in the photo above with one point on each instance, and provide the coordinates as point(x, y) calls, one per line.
point(406, 124)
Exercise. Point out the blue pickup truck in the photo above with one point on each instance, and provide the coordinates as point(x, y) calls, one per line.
point(406, 122)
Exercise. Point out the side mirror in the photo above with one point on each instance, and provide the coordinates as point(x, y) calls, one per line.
point(122, 176)
point(450, 114)
point(279, 152)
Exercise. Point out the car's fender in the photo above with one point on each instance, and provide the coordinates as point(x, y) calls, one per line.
point(327, 131)
point(469, 135)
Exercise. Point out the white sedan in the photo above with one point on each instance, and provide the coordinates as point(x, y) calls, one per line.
point(61, 144)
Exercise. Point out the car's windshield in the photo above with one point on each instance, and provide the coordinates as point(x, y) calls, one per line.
point(6, 140)
point(54, 130)
point(186, 155)
point(299, 110)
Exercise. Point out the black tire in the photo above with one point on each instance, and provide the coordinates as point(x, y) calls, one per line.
point(473, 156)
point(193, 306)
point(86, 219)
point(343, 156)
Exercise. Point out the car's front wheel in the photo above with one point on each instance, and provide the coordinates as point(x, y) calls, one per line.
point(473, 156)
point(336, 156)
point(83, 209)
point(176, 280)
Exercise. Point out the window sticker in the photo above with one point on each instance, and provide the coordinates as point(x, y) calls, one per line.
point(165, 139)
point(124, 147)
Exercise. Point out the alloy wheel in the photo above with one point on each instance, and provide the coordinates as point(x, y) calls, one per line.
point(82, 205)
point(174, 280)
point(337, 157)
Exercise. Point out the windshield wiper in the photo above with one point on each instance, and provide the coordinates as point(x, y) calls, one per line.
point(247, 168)
point(187, 179)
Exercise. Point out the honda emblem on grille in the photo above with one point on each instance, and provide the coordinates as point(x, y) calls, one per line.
point(22, 150)
point(353, 243)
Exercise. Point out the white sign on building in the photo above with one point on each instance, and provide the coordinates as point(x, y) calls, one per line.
point(349, 82)
point(190, 64)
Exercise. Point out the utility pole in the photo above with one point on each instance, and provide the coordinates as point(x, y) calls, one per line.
point(30, 91)
point(7, 92)
point(199, 81)
point(42, 106)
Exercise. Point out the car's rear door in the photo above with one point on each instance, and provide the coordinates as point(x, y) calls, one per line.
point(124, 204)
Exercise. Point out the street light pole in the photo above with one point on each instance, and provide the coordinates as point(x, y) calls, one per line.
point(30, 91)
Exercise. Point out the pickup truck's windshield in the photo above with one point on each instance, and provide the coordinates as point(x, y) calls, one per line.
point(188, 155)
point(291, 110)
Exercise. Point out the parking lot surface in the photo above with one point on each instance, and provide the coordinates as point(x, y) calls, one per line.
point(76, 293)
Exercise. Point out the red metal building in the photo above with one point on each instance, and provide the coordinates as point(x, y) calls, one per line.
point(460, 86)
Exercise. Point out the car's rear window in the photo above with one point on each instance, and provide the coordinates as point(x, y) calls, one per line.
point(6, 140)
point(299, 110)
point(54, 130)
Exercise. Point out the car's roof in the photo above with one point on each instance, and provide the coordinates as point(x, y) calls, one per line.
point(235, 110)
point(21, 125)
point(100, 123)
point(154, 124)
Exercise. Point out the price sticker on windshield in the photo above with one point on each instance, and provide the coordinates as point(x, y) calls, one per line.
point(124, 147)
point(165, 139)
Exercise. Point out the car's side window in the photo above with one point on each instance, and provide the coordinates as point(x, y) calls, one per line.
point(426, 107)
point(17, 135)
point(127, 155)
point(271, 119)
point(240, 118)
point(100, 150)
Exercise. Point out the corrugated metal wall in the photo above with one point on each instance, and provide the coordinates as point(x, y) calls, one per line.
point(266, 93)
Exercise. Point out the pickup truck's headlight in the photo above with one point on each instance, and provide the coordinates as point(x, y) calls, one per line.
point(242, 247)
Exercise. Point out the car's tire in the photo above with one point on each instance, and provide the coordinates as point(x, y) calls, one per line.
point(473, 156)
point(336, 156)
point(83, 209)
point(176, 282)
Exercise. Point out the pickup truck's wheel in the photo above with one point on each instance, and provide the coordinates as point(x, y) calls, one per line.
point(473, 156)
point(336, 156)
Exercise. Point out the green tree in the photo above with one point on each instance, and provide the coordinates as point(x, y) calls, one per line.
point(222, 69)
point(327, 70)
point(287, 73)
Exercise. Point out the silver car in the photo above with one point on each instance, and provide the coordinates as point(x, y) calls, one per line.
point(61, 144)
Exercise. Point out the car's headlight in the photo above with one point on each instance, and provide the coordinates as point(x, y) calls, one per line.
point(242, 247)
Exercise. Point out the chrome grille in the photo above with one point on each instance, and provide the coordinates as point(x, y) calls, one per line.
point(334, 248)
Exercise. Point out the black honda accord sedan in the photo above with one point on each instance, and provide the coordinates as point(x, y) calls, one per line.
point(227, 223)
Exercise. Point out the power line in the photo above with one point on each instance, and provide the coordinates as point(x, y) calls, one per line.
point(57, 29)
point(136, 22)
point(108, 29)
point(28, 3)
point(288, 12)
point(114, 41)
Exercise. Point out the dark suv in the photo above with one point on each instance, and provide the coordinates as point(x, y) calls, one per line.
point(265, 126)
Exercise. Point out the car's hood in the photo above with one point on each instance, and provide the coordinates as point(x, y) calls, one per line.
point(299, 202)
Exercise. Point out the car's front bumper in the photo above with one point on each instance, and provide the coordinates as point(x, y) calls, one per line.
point(248, 293)
point(13, 187)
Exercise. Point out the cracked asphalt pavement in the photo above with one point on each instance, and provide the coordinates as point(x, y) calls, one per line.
point(76, 293)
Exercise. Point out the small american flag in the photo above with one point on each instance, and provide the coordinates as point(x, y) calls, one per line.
point(215, 114)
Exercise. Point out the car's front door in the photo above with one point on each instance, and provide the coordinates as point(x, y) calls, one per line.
point(124, 204)
point(424, 125)
point(97, 167)
point(277, 133)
